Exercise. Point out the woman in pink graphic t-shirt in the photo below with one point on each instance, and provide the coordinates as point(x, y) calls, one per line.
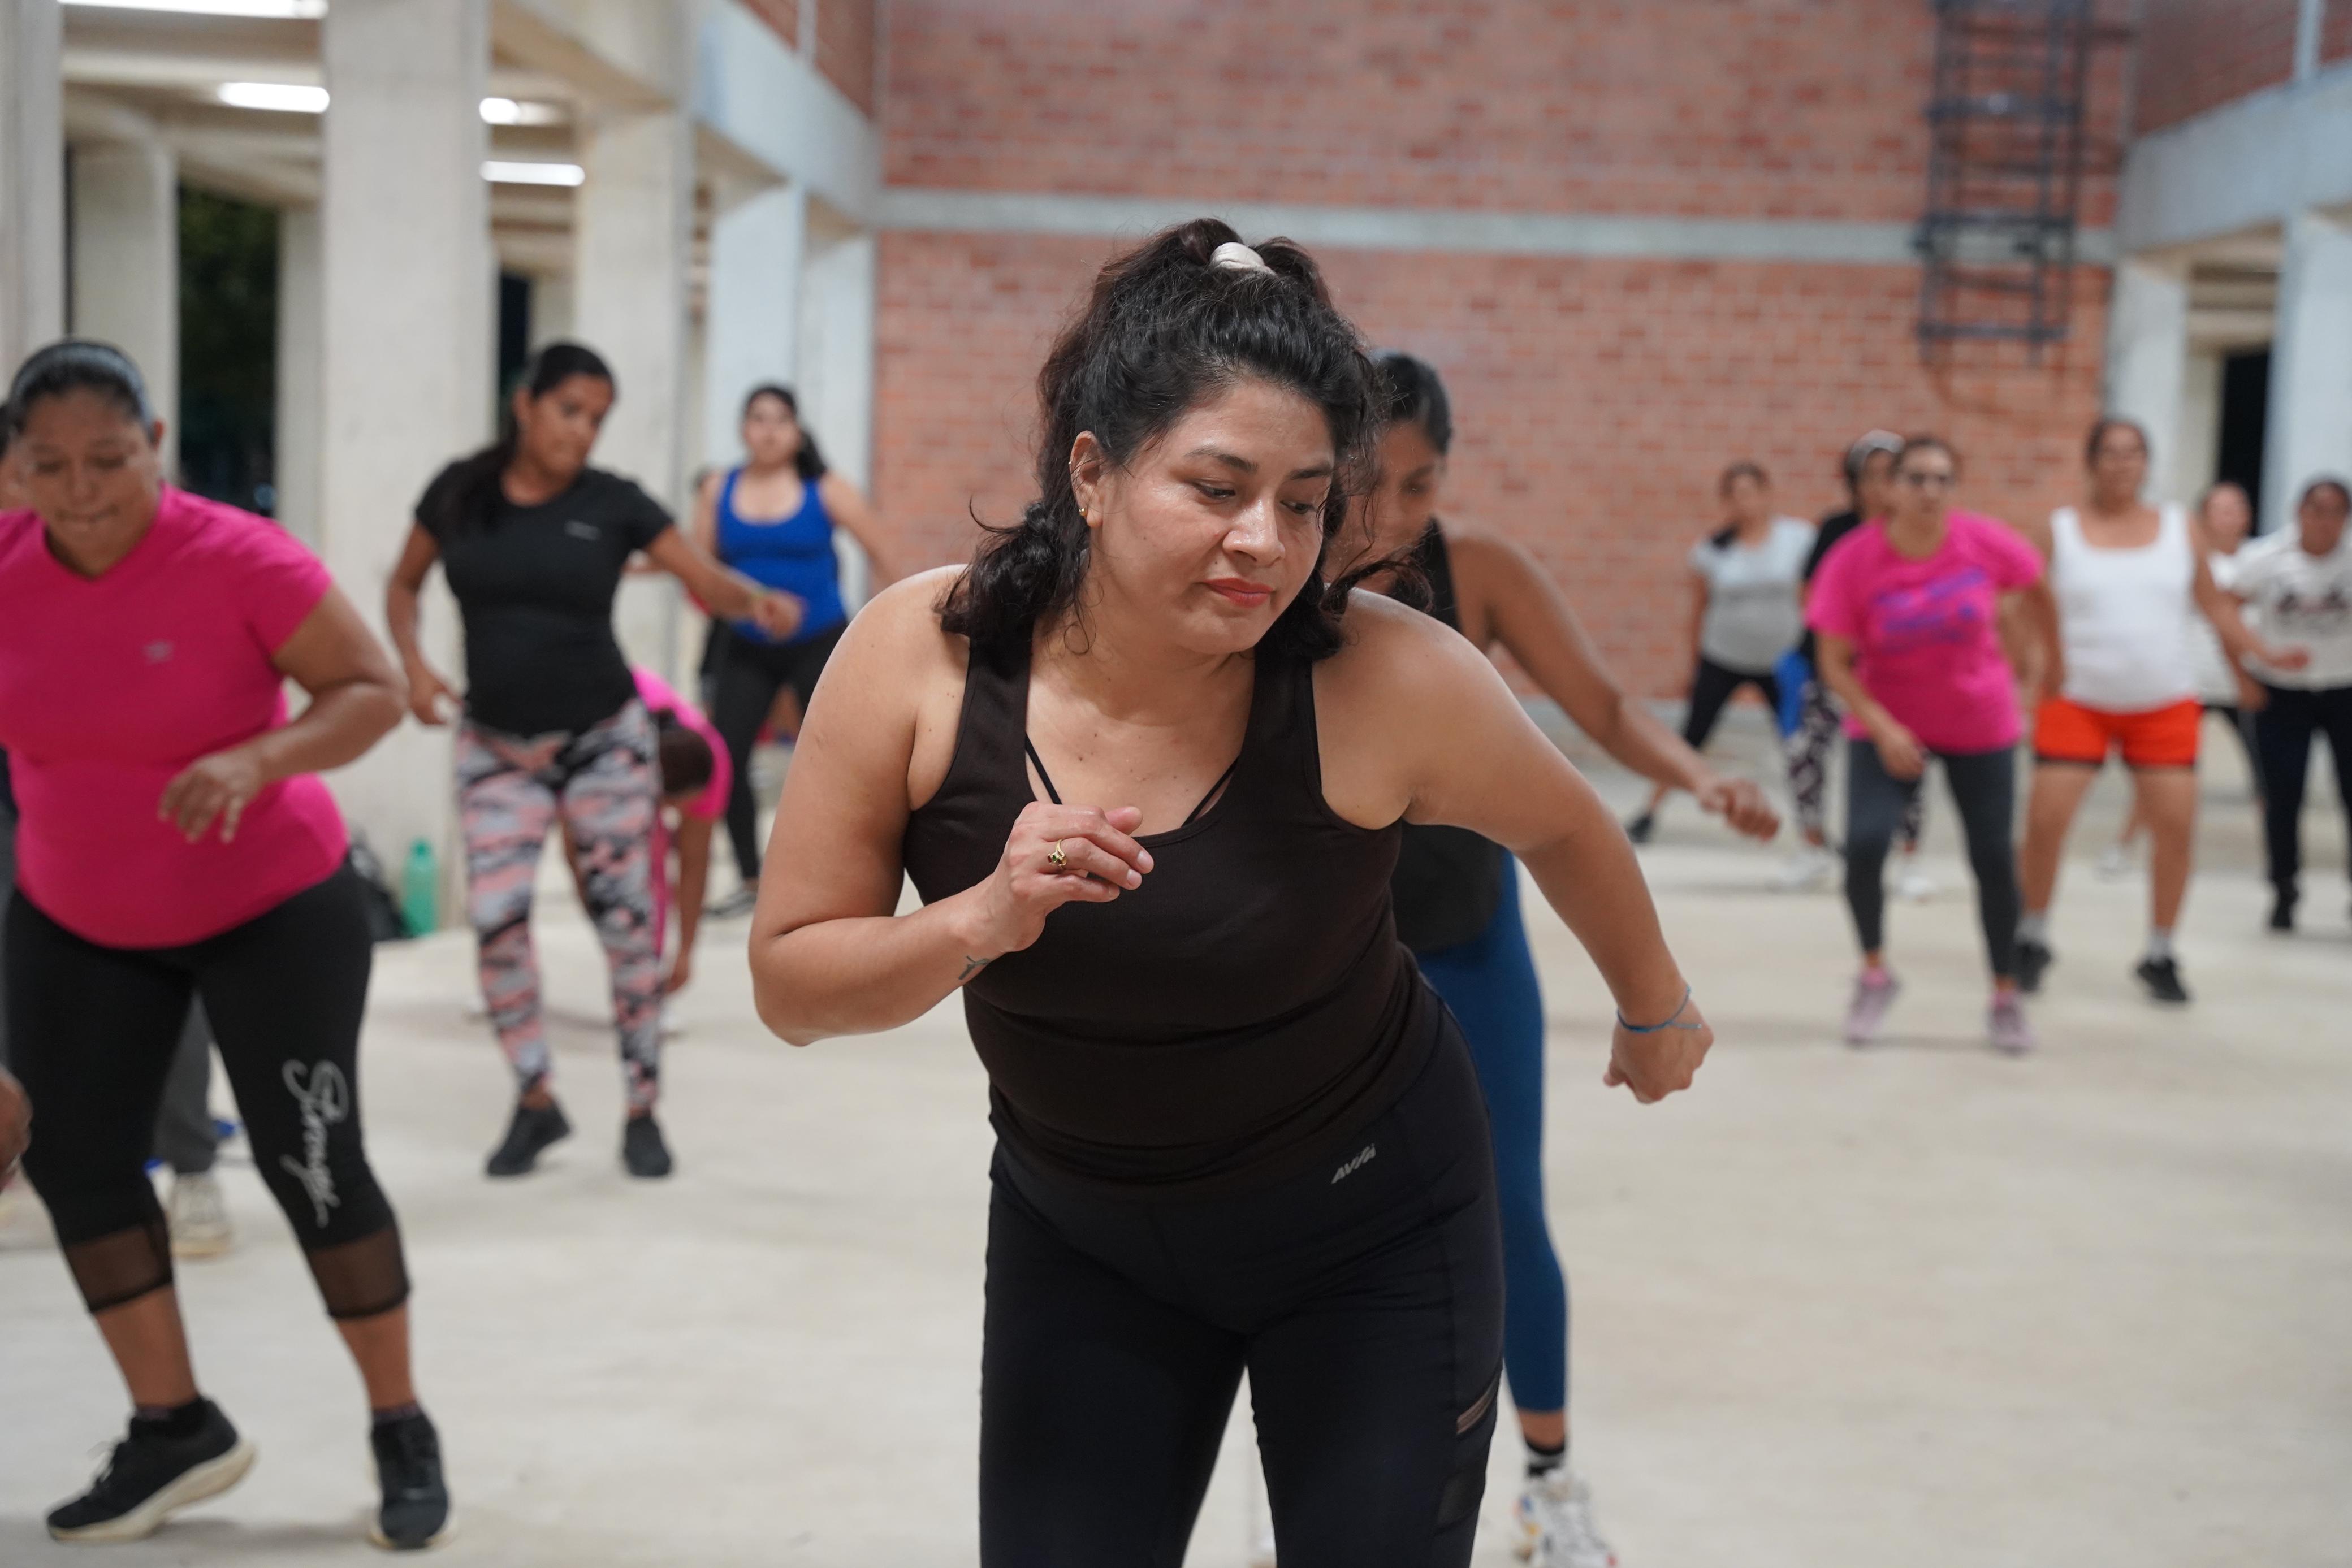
point(1909, 609)
point(173, 840)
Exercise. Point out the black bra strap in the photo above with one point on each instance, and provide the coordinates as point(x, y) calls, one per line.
point(1214, 790)
point(1038, 762)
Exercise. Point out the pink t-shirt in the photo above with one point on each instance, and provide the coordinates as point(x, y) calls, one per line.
point(659, 697)
point(110, 687)
point(1926, 634)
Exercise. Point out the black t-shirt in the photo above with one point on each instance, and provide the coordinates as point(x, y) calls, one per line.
point(1834, 526)
point(535, 585)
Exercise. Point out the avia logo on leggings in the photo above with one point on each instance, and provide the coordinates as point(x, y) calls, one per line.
point(323, 1095)
point(1352, 1166)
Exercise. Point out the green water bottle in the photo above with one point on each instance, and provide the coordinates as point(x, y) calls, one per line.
point(420, 891)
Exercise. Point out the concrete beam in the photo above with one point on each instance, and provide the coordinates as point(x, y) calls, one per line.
point(775, 104)
point(545, 37)
point(32, 181)
point(2248, 165)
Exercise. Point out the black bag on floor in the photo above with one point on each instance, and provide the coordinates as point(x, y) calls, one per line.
point(384, 923)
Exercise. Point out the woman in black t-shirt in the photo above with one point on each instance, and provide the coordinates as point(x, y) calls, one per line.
point(534, 542)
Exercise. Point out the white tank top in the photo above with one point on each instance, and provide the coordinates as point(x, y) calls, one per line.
point(2125, 614)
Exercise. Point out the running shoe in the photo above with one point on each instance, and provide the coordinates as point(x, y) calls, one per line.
point(2033, 959)
point(199, 1216)
point(148, 1479)
point(1640, 828)
point(1555, 1524)
point(2162, 979)
point(1812, 866)
point(642, 1148)
point(1865, 1016)
point(533, 1130)
point(2011, 1035)
point(416, 1509)
point(1915, 885)
point(736, 905)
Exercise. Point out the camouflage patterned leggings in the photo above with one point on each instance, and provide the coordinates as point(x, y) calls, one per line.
point(605, 783)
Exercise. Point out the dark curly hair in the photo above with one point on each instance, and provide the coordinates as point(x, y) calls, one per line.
point(1164, 330)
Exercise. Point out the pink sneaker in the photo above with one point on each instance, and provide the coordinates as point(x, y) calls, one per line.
point(2011, 1035)
point(1866, 1014)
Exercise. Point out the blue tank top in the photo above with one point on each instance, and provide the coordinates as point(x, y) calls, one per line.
point(794, 554)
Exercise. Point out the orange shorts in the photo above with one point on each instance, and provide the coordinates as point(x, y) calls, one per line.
point(2066, 731)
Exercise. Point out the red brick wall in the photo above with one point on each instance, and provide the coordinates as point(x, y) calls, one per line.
point(2336, 32)
point(1721, 108)
point(2196, 55)
point(783, 17)
point(844, 48)
point(1596, 400)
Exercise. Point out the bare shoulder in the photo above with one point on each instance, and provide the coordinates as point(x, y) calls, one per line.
point(898, 629)
point(900, 678)
point(1491, 558)
point(835, 487)
point(1394, 654)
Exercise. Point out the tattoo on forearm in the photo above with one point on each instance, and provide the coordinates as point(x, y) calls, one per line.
point(971, 967)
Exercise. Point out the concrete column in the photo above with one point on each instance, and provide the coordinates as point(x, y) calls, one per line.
point(2310, 418)
point(551, 309)
point(32, 181)
point(410, 343)
point(634, 235)
point(751, 324)
point(2147, 353)
point(126, 266)
point(837, 371)
point(302, 367)
point(2198, 461)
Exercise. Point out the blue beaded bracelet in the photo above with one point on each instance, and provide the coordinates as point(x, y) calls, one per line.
point(1654, 1027)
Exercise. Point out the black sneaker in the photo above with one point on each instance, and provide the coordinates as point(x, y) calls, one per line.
point(532, 1130)
point(2162, 979)
point(416, 1509)
point(642, 1149)
point(2283, 909)
point(149, 1478)
point(2033, 959)
point(1640, 828)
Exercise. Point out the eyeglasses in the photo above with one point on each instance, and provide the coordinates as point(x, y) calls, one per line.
point(1919, 481)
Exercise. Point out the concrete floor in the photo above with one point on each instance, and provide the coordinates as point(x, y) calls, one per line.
point(1919, 1305)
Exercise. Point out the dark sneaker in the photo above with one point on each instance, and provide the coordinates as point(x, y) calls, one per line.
point(2162, 979)
point(532, 1130)
point(415, 1511)
point(2033, 959)
point(149, 1478)
point(2283, 909)
point(642, 1149)
point(1640, 828)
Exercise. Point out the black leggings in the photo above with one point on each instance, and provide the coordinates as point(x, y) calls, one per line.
point(1984, 788)
point(1363, 1295)
point(745, 678)
point(1712, 686)
point(93, 1029)
point(2284, 732)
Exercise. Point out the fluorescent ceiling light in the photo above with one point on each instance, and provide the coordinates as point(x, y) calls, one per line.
point(509, 111)
point(288, 97)
point(506, 173)
point(294, 10)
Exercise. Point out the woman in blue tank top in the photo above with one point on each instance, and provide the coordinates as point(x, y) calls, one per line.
point(773, 520)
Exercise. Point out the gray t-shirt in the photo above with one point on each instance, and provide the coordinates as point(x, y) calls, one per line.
point(1755, 596)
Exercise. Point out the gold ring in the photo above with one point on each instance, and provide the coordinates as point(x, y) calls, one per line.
point(1056, 858)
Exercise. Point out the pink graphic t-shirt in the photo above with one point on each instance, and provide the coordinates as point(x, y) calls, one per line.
point(109, 687)
point(1926, 634)
point(659, 696)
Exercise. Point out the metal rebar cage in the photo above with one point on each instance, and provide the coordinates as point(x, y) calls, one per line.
point(2006, 146)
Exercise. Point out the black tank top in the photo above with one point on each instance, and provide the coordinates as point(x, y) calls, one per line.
point(1245, 1007)
point(1448, 881)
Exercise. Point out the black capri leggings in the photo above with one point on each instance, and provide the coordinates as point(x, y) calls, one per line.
point(1364, 1296)
point(93, 1030)
point(1984, 788)
point(1712, 686)
point(745, 677)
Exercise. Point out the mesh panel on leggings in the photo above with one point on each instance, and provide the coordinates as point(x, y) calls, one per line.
point(359, 1279)
point(122, 1265)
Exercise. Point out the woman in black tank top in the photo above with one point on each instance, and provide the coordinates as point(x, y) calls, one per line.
point(1150, 786)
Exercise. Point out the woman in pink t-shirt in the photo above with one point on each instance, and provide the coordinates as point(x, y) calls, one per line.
point(1909, 609)
point(173, 841)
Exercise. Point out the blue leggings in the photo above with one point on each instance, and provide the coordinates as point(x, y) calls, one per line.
point(1490, 982)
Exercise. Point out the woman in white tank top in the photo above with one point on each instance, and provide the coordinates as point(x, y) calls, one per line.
point(2131, 581)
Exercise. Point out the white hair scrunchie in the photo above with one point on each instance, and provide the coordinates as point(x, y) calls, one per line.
point(1235, 256)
